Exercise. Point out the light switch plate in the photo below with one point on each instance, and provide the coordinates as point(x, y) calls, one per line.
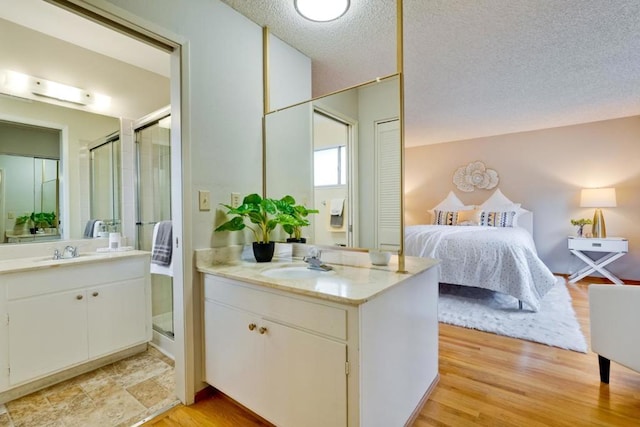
point(204, 200)
point(235, 200)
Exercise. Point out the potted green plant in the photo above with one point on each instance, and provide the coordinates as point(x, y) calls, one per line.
point(580, 223)
point(263, 214)
point(294, 218)
point(43, 219)
point(22, 225)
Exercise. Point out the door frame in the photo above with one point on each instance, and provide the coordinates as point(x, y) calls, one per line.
point(352, 164)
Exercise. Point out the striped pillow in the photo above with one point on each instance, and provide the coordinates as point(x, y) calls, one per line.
point(497, 219)
point(445, 217)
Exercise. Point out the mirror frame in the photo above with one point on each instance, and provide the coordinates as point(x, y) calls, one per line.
point(399, 73)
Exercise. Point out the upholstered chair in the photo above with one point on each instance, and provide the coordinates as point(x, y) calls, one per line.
point(615, 326)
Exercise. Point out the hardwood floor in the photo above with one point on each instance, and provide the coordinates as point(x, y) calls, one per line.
point(490, 380)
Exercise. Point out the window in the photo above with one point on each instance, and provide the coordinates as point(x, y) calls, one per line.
point(330, 166)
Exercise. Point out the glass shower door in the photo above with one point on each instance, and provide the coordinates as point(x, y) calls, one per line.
point(153, 154)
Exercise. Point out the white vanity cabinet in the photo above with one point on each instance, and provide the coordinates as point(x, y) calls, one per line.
point(63, 316)
point(312, 357)
point(268, 353)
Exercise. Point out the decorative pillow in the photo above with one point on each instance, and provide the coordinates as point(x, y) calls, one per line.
point(498, 202)
point(450, 203)
point(472, 217)
point(497, 219)
point(445, 217)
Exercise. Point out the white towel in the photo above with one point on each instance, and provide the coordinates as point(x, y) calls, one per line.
point(88, 229)
point(97, 226)
point(336, 207)
point(165, 270)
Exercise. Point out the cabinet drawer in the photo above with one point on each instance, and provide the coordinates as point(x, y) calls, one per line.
point(599, 245)
point(62, 278)
point(331, 321)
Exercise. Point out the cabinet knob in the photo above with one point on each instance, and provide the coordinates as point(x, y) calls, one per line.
point(78, 297)
point(252, 326)
point(262, 330)
point(95, 294)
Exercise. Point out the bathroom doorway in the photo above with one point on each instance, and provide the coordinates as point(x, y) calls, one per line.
point(333, 146)
point(153, 204)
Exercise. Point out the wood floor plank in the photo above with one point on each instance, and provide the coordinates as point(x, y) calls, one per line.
point(490, 380)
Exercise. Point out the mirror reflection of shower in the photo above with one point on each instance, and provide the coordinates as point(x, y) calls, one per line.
point(153, 204)
point(106, 183)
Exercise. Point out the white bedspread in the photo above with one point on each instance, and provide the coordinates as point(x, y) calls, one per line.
point(503, 259)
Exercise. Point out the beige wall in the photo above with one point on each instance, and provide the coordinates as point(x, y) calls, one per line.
point(544, 170)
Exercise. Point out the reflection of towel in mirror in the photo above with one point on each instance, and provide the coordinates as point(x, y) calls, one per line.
point(162, 249)
point(88, 229)
point(335, 210)
point(97, 227)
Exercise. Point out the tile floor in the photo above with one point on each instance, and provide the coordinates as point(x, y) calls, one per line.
point(120, 394)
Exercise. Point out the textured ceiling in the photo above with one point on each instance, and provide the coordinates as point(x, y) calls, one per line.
point(477, 68)
point(473, 68)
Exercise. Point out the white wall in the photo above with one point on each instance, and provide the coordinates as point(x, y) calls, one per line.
point(225, 101)
point(289, 75)
point(545, 171)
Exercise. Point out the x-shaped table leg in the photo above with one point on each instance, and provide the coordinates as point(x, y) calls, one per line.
point(596, 265)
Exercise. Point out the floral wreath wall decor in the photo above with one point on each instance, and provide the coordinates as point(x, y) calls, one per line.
point(475, 174)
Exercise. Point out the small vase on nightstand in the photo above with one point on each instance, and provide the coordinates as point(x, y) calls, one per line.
point(579, 233)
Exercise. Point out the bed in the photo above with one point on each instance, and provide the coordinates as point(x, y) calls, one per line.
point(499, 258)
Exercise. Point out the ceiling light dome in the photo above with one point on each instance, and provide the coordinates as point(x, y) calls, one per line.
point(321, 10)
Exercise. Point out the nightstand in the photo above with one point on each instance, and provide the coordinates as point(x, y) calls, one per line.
point(615, 247)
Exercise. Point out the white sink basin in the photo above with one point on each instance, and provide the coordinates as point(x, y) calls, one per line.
point(295, 273)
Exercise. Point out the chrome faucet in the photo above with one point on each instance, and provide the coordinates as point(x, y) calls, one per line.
point(314, 261)
point(69, 252)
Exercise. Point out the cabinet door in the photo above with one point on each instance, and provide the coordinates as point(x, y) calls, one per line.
point(233, 359)
point(306, 378)
point(46, 333)
point(117, 316)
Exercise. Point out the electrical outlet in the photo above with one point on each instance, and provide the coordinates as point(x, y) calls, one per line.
point(204, 199)
point(235, 200)
point(11, 215)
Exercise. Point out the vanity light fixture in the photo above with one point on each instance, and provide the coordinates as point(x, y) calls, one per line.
point(23, 85)
point(321, 10)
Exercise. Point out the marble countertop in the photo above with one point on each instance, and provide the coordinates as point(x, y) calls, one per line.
point(344, 284)
point(36, 263)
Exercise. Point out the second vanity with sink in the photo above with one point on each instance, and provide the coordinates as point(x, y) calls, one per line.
point(62, 317)
point(353, 346)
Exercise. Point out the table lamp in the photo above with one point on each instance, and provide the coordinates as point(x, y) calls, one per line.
point(598, 198)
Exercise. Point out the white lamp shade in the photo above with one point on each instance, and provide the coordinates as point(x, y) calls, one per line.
point(598, 198)
point(321, 10)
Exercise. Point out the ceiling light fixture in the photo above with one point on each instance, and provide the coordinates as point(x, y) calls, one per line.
point(321, 10)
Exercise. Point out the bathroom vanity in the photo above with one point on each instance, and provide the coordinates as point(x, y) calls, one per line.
point(355, 346)
point(64, 317)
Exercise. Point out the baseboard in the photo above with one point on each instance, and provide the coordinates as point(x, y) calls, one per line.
point(416, 412)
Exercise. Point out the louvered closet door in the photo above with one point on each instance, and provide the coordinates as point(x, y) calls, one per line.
point(388, 185)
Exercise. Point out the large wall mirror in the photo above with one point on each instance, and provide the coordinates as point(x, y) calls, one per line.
point(344, 151)
point(45, 170)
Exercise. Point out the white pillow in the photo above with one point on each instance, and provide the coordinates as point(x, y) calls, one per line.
point(450, 203)
point(498, 202)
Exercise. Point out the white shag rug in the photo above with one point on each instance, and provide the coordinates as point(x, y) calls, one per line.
point(555, 324)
